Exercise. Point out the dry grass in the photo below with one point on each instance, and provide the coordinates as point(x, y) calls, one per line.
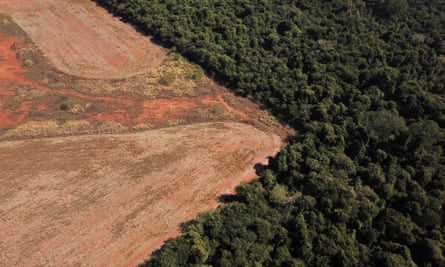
point(52, 128)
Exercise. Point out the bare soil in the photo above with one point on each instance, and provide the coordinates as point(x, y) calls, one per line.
point(83, 40)
point(70, 68)
point(109, 200)
point(40, 92)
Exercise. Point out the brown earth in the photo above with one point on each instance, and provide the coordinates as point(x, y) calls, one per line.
point(112, 199)
point(82, 40)
point(102, 199)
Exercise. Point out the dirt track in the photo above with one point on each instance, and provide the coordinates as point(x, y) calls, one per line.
point(112, 199)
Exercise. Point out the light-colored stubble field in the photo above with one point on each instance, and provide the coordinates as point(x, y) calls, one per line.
point(109, 200)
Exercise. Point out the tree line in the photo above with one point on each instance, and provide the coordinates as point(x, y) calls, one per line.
point(363, 83)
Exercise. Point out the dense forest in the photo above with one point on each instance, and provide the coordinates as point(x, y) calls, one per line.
point(363, 183)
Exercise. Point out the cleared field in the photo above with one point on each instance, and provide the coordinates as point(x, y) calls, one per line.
point(84, 40)
point(70, 68)
point(38, 93)
point(110, 200)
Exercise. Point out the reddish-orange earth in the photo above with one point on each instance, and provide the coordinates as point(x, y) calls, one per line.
point(109, 200)
point(125, 109)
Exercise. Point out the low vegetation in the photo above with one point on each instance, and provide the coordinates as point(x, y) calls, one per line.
point(363, 184)
point(168, 78)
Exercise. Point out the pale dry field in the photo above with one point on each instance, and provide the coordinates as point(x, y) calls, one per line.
point(82, 39)
point(110, 200)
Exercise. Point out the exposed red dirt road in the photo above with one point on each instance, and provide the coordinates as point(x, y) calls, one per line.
point(111, 200)
point(84, 40)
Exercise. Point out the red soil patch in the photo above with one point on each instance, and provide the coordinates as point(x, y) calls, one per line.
point(10, 67)
point(10, 75)
point(158, 110)
point(111, 200)
point(127, 110)
point(84, 40)
point(42, 107)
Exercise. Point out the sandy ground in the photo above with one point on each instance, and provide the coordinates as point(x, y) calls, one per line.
point(110, 200)
point(84, 40)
